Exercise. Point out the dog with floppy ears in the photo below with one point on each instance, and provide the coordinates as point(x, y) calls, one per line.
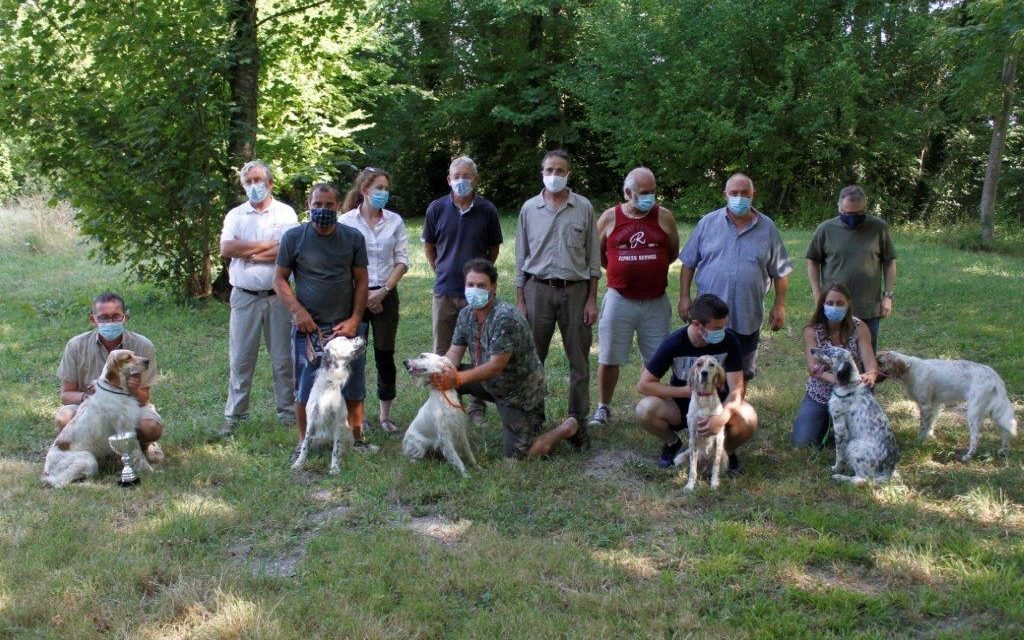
point(327, 414)
point(80, 447)
point(441, 423)
point(934, 383)
point(864, 439)
point(705, 378)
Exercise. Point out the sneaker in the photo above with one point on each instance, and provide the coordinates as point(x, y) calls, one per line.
point(668, 454)
point(601, 416)
point(362, 446)
point(734, 466)
point(476, 411)
point(581, 439)
point(389, 427)
point(154, 454)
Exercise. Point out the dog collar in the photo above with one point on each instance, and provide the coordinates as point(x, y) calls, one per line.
point(105, 387)
point(843, 395)
point(701, 394)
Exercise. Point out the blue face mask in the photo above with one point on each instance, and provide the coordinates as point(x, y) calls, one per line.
point(462, 187)
point(714, 336)
point(646, 202)
point(110, 330)
point(851, 221)
point(739, 205)
point(323, 218)
point(257, 192)
point(477, 297)
point(379, 199)
point(834, 313)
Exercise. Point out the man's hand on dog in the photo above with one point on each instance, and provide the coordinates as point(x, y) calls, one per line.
point(348, 328)
point(447, 379)
point(710, 425)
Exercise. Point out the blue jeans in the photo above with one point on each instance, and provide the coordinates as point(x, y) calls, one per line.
point(305, 373)
point(810, 424)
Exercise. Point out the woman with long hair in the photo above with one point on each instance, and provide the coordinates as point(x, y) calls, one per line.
point(387, 249)
point(832, 324)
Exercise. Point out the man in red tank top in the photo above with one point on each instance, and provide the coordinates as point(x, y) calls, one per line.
point(639, 240)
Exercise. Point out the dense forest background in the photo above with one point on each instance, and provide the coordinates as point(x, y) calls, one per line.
point(139, 112)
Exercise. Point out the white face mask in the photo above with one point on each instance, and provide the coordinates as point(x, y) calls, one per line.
point(554, 183)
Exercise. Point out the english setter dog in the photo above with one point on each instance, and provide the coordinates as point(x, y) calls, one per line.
point(705, 378)
point(864, 439)
point(934, 383)
point(441, 423)
point(80, 447)
point(326, 413)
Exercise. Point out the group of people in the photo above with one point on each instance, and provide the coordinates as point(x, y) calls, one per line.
point(349, 258)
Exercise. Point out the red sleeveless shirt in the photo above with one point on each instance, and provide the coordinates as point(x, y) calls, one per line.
point(638, 255)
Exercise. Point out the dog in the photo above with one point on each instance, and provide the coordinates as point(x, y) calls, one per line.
point(933, 383)
point(441, 423)
point(705, 378)
point(326, 412)
point(864, 439)
point(79, 448)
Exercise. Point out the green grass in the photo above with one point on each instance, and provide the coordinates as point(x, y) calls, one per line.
point(599, 545)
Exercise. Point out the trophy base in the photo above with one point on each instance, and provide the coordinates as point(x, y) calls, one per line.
point(129, 483)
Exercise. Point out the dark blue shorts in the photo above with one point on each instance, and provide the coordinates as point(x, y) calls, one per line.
point(305, 373)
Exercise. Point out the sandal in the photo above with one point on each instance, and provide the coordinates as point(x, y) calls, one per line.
point(389, 426)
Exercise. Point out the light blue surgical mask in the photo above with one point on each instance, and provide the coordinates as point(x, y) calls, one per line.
point(110, 330)
point(739, 205)
point(835, 313)
point(714, 336)
point(646, 201)
point(257, 192)
point(462, 187)
point(477, 297)
point(379, 199)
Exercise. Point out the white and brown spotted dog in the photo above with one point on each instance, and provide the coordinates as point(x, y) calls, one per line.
point(326, 411)
point(79, 448)
point(705, 378)
point(934, 383)
point(441, 424)
point(864, 438)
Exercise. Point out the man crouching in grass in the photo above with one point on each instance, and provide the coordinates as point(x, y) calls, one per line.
point(662, 410)
point(505, 370)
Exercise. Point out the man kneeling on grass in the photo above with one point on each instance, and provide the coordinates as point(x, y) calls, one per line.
point(505, 370)
point(662, 410)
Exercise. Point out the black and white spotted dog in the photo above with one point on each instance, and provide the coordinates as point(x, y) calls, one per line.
point(864, 439)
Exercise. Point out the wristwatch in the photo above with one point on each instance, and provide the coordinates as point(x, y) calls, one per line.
point(887, 294)
point(386, 288)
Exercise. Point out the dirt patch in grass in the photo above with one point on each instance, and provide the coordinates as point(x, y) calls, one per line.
point(440, 529)
point(613, 465)
point(838, 576)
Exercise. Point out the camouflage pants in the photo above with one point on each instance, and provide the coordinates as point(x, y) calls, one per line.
point(519, 428)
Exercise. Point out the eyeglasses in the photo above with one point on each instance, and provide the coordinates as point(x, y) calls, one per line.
point(114, 318)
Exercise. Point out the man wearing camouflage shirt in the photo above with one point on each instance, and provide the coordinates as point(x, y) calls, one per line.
point(505, 367)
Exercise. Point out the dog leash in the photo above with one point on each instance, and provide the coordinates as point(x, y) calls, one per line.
point(444, 394)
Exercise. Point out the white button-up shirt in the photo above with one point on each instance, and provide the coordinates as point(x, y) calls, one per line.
point(247, 224)
point(387, 244)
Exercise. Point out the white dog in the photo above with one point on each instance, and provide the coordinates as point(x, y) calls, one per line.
point(864, 438)
point(705, 378)
point(326, 413)
point(78, 449)
point(440, 424)
point(933, 383)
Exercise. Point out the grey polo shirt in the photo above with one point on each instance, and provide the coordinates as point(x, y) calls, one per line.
point(737, 266)
point(558, 244)
point(84, 357)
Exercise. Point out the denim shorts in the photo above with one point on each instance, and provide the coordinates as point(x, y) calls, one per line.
point(305, 373)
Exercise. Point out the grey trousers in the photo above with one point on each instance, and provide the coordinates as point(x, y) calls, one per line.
point(548, 307)
point(252, 316)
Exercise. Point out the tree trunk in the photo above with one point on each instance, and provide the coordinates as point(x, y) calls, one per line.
point(995, 151)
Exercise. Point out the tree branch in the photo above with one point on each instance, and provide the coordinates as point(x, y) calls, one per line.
point(292, 10)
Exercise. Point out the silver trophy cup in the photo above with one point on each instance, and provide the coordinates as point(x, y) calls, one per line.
point(124, 445)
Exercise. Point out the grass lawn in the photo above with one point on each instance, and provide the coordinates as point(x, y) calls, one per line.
point(225, 542)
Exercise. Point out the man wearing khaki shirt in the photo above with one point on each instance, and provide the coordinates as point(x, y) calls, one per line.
point(558, 263)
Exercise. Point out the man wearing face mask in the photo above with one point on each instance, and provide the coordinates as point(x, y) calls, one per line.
point(329, 262)
point(459, 227)
point(662, 410)
point(504, 367)
point(250, 238)
point(84, 358)
point(737, 254)
point(638, 239)
point(558, 264)
point(856, 249)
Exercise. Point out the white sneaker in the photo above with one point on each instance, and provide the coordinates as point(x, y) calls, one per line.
point(601, 416)
point(154, 454)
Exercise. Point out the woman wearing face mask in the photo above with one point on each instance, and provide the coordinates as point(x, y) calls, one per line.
point(387, 249)
point(832, 324)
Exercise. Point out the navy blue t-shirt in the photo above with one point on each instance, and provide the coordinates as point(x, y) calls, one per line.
point(459, 237)
point(678, 354)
